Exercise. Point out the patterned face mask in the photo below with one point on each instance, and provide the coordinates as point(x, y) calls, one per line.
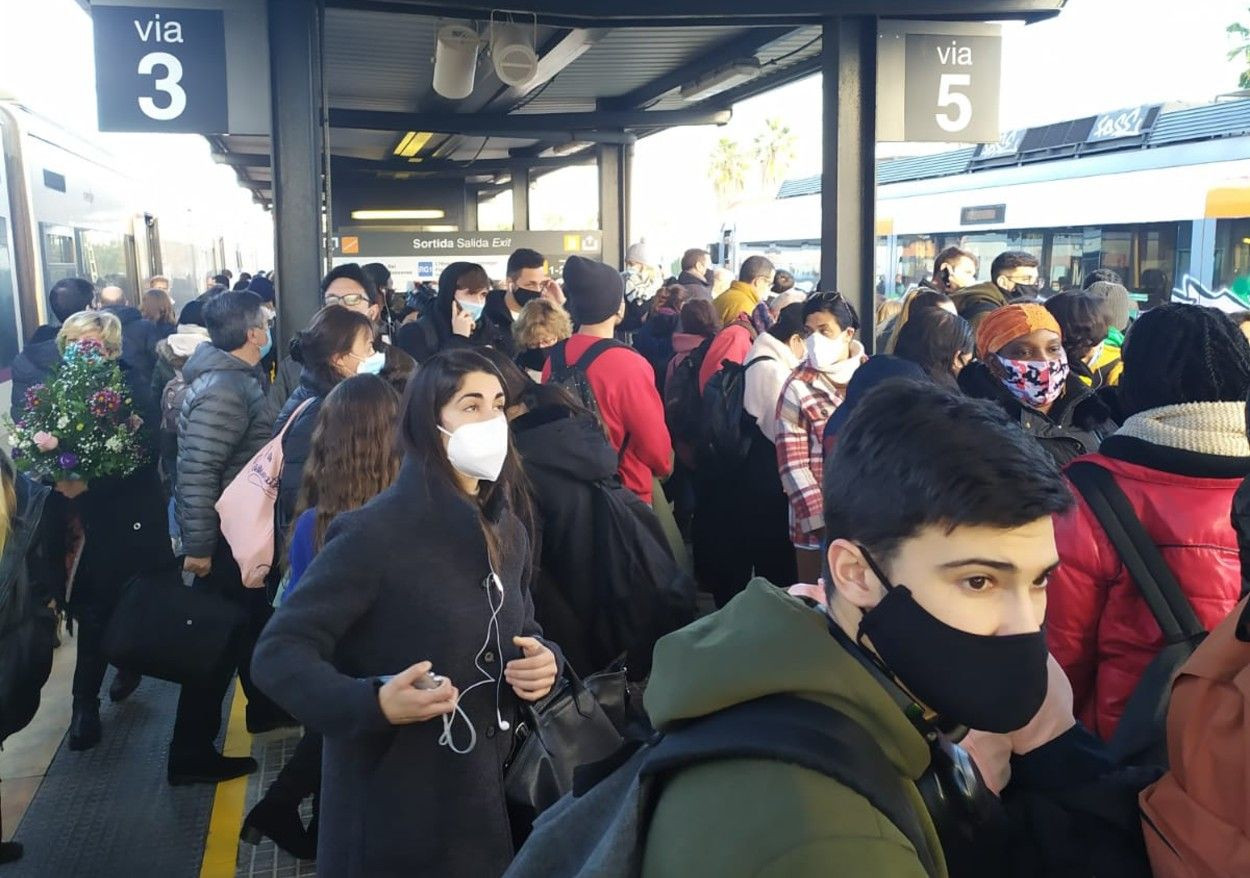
point(1035, 383)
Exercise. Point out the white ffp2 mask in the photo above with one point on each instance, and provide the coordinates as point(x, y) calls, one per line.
point(478, 449)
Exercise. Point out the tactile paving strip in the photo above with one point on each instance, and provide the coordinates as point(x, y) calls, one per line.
point(265, 860)
point(109, 812)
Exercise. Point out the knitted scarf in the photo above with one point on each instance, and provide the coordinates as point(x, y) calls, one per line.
point(1217, 428)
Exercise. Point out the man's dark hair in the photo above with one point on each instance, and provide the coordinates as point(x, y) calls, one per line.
point(70, 295)
point(788, 324)
point(783, 282)
point(522, 259)
point(904, 455)
point(693, 257)
point(1178, 353)
point(1010, 260)
point(378, 273)
point(1103, 275)
point(931, 338)
point(1083, 319)
point(229, 316)
point(352, 271)
point(222, 279)
point(836, 304)
point(698, 317)
point(755, 267)
point(949, 255)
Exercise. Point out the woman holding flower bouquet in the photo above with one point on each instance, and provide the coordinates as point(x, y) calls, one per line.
point(88, 431)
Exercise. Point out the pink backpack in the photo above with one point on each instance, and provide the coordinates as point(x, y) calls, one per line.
point(246, 508)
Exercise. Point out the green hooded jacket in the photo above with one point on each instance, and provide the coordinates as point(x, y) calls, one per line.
point(762, 818)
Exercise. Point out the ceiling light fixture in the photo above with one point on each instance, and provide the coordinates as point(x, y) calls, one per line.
point(415, 214)
point(412, 143)
point(570, 147)
point(721, 79)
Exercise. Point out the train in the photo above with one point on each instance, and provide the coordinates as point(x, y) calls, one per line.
point(1160, 194)
point(70, 207)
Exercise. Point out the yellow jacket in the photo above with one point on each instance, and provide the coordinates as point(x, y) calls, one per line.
point(1106, 368)
point(740, 298)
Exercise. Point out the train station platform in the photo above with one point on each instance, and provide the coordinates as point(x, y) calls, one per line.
point(110, 813)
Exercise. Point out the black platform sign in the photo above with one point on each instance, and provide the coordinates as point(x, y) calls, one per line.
point(160, 69)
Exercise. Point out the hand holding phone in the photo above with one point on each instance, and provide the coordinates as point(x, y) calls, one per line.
point(415, 695)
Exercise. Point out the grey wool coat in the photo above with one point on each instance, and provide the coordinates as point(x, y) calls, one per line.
point(399, 581)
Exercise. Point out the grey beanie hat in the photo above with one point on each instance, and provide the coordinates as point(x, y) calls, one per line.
point(1119, 305)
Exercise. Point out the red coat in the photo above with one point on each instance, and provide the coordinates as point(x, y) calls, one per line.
point(1097, 624)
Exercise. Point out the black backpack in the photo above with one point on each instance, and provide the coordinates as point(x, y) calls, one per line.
point(643, 593)
point(574, 378)
point(600, 829)
point(726, 438)
point(1139, 738)
point(682, 401)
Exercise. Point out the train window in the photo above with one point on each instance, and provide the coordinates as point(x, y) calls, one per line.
point(1232, 256)
point(104, 256)
point(8, 312)
point(60, 254)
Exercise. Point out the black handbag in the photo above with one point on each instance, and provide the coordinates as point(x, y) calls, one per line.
point(165, 629)
point(570, 727)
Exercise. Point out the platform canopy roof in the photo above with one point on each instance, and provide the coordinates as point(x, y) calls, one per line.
point(608, 73)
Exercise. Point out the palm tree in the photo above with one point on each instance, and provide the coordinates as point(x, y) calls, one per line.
point(727, 168)
point(1239, 31)
point(775, 149)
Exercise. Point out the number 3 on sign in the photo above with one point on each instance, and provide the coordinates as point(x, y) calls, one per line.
point(947, 97)
point(167, 84)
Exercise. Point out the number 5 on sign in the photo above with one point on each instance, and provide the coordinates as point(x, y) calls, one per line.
point(167, 84)
point(947, 97)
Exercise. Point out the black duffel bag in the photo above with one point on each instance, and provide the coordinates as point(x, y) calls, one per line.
point(578, 723)
point(163, 628)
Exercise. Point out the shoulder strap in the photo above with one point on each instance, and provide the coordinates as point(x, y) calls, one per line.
point(559, 363)
point(799, 732)
point(294, 416)
point(760, 359)
point(1154, 579)
point(593, 352)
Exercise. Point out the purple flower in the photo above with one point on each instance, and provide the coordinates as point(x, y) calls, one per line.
point(104, 402)
point(17, 454)
point(68, 460)
point(32, 395)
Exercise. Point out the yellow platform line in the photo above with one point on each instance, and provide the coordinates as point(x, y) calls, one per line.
point(221, 849)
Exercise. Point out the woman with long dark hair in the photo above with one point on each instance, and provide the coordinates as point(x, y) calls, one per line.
point(336, 345)
point(413, 670)
point(352, 458)
point(939, 342)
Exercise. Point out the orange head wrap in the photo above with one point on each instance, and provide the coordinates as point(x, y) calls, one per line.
point(1001, 327)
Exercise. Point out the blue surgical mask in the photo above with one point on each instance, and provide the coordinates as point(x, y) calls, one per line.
point(372, 365)
point(268, 345)
point(473, 309)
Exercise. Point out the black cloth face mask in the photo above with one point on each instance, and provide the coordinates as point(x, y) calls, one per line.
point(523, 296)
point(534, 359)
point(986, 682)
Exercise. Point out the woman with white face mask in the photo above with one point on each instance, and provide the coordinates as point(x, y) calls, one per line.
point(809, 396)
point(438, 566)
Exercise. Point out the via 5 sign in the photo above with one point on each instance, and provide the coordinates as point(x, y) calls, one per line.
point(160, 69)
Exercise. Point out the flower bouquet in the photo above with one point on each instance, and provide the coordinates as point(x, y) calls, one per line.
point(80, 425)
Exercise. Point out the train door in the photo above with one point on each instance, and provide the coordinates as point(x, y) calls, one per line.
point(60, 252)
point(9, 341)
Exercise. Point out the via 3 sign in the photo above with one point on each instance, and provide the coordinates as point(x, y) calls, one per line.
point(160, 69)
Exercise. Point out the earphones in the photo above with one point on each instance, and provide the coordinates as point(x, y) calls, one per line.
point(493, 586)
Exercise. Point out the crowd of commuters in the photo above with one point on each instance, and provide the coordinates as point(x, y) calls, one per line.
point(892, 542)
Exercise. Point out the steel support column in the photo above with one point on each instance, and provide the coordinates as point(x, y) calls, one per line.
point(296, 158)
point(614, 201)
point(520, 200)
point(848, 181)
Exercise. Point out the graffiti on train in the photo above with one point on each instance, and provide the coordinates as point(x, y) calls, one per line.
point(1234, 297)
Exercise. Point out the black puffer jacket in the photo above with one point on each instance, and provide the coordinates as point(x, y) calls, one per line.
point(431, 333)
point(223, 424)
point(1076, 425)
point(297, 443)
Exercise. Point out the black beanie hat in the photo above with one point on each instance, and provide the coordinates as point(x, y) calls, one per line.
point(594, 290)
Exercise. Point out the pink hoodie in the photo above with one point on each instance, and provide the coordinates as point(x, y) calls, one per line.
point(992, 751)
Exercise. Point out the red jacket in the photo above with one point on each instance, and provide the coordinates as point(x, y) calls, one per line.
point(624, 385)
point(1098, 626)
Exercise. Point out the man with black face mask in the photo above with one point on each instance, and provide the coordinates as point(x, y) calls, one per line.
point(1015, 273)
point(935, 576)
